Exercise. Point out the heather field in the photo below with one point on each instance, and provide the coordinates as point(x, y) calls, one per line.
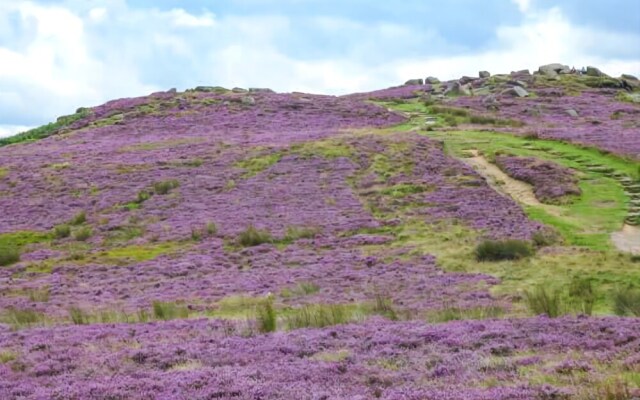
point(453, 240)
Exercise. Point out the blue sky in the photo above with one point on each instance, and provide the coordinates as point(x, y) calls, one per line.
point(56, 56)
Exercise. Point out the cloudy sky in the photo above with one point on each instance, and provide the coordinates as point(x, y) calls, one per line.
point(56, 56)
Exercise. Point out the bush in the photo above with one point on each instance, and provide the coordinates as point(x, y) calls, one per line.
point(79, 219)
point(19, 318)
point(267, 318)
point(142, 196)
point(541, 301)
point(61, 231)
point(626, 301)
point(165, 187)
point(82, 234)
point(253, 237)
point(494, 250)
point(294, 233)
point(9, 254)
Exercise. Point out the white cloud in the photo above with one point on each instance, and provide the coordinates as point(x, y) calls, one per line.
point(523, 5)
point(75, 59)
point(10, 130)
point(181, 18)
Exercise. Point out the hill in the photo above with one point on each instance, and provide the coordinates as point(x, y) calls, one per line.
point(470, 239)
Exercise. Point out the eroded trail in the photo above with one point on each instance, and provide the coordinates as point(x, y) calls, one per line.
point(626, 240)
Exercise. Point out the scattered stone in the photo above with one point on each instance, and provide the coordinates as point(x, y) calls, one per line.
point(552, 70)
point(207, 89)
point(522, 72)
point(516, 91)
point(260, 90)
point(572, 112)
point(484, 74)
point(458, 89)
point(430, 120)
point(517, 83)
point(248, 101)
point(413, 82)
point(593, 71)
point(490, 102)
point(466, 79)
point(432, 80)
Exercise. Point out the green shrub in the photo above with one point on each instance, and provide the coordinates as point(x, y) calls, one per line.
point(253, 237)
point(266, 316)
point(626, 301)
point(459, 314)
point(79, 219)
point(82, 234)
point(61, 231)
point(165, 187)
point(211, 228)
point(495, 250)
point(540, 301)
point(9, 254)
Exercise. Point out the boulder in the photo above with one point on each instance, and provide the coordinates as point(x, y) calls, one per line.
point(522, 72)
point(490, 102)
point(466, 79)
point(552, 70)
point(484, 74)
point(517, 83)
point(206, 89)
point(573, 113)
point(432, 80)
point(516, 91)
point(593, 71)
point(458, 89)
point(413, 82)
point(248, 101)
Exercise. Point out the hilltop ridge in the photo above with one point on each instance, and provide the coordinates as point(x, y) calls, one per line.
point(477, 238)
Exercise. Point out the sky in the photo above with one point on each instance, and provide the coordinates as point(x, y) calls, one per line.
point(56, 56)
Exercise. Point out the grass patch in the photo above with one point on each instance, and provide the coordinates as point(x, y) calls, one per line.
point(82, 234)
point(403, 190)
point(140, 253)
point(541, 300)
point(321, 315)
point(253, 237)
point(61, 231)
point(626, 301)
point(301, 289)
point(164, 187)
point(9, 255)
point(78, 219)
point(297, 232)
point(22, 318)
point(460, 314)
point(167, 310)
point(254, 166)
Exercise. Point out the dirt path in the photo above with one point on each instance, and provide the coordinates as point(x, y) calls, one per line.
point(626, 240)
point(520, 191)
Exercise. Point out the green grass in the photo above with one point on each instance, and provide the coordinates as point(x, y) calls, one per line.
point(3, 172)
point(140, 253)
point(46, 130)
point(255, 165)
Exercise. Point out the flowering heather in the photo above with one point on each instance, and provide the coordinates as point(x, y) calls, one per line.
point(551, 182)
point(206, 359)
point(602, 121)
point(222, 245)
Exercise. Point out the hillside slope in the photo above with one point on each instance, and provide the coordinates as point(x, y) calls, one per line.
point(398, 244)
